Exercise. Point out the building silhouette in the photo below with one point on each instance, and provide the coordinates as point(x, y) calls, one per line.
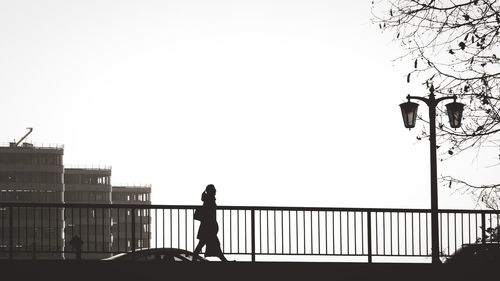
point(32, 174)
point(122, 218)
point(35, 174)
point(92, 225)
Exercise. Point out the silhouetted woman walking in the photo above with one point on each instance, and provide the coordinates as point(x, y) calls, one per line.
point(207, 233)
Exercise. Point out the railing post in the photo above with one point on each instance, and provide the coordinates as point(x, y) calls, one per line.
point(369, 229)
point(483, 228)
point(133, 210)
point(11, 232)
point(253, 234)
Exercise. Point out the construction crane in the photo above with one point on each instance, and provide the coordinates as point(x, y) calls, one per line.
point(15, 144)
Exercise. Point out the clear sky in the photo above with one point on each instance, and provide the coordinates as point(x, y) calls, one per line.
point(275, 102)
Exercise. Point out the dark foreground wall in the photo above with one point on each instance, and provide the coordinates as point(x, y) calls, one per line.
point(100, 270)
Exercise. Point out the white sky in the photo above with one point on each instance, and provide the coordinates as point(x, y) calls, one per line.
point(275, 102)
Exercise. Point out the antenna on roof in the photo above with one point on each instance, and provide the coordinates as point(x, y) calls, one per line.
point(29, 132)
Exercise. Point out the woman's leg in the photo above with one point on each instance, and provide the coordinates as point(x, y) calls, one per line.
point(222, 257)
point(197, 251)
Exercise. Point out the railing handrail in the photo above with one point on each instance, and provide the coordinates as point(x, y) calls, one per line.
point(225, 207)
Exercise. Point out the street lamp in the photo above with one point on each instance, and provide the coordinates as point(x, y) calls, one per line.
point(409, 112)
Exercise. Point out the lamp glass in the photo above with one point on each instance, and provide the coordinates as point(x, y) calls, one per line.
point(455, 111)
point(409, 111)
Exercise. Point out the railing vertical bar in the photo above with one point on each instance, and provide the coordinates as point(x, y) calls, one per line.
point(440, 231)
point(246, 238)
point(171, 230)
point(72, 220)
point(230, 231)
point(282, 234)
point(304, 226)
point(238, 231)
point(319, 234)
point(406, 241)
point(185, 229)
point(333, 232)
point(275, 229)
point(11, 234)
point(156, 228)
point(490, 221)
point(79, 222)
point(95, 228)
point(118, 229)
point(326, 232)
point(34, 232)
point(103, 227)
point(3, 225)
point(297, 232)
point(252, 225)
point(362, 233)
point(18, 228)
point(369, 234)
point(462, 227)
point(267, 230)
point(49, 246)
point(390, 230)
point(163, 228)
point(376, 233)
point(260, 231)
point(455, 229)
point(312, 239)
point(420, 233)
point(126, 228)
point(448, 231)
point(57, 228)
point(194, 236)
point(412, 234)
point(340, 226)
point(134, 240)
point(141, 227)
point(289, 232)
point(483, 229)
point(148, 227)
point(383, 233)
point(41, 229)
point(88, 231)
point(179, 228)
point(398, 234)
point(223, 233)
point(348, 233)
point(427, 234)
point(355, 235)
point(470, 234)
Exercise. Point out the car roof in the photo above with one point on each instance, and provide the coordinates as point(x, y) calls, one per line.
point(152, 251)
point(481, 245)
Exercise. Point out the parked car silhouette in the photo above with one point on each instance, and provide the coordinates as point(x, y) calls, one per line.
point(157, 254)
point(476, 253)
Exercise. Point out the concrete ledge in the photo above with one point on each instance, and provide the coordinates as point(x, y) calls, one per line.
point(114, 270)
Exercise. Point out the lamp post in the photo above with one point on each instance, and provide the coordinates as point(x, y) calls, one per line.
point(409, 111)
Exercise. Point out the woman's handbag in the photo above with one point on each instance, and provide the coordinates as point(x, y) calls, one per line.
point(198, 214)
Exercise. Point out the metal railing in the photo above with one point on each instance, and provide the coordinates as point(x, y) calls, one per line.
point(29, 230)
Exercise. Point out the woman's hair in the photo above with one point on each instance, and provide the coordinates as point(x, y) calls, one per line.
point(208, 193)
point(210, 189)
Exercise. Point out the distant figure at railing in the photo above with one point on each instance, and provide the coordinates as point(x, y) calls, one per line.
point(207, 233)
point(76, 243)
